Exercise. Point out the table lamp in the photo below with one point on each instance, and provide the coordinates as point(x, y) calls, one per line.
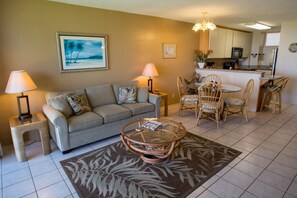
point(150, 71)
point(19, 82)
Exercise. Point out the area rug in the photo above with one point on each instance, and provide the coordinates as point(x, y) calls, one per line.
point(113, 171)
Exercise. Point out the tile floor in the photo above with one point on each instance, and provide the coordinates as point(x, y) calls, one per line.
point(267, 166)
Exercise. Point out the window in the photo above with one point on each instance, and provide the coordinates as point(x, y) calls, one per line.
point(272, 39)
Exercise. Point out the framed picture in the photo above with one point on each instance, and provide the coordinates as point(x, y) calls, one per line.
point(169, 50)
point(82, 52)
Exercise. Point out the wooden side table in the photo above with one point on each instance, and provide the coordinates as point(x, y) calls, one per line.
point(18, 128)
point(164, 97)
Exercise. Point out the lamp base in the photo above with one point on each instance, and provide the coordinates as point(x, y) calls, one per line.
point(25, 117)
point(150, 85)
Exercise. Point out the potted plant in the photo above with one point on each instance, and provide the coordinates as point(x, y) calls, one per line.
point(202, 56)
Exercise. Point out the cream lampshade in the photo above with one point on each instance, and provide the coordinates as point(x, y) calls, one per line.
point(19, 82)
point(150, 71)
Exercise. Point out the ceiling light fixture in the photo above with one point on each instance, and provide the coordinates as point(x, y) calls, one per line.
point(258, 26)
point(204, 24)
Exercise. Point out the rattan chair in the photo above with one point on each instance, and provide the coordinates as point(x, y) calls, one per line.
point(210, 101)
point(239, 105)
point(273, 95)
point(186, 102)
point(213, 78)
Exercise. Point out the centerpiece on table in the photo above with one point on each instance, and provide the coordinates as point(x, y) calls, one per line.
point(202, 57)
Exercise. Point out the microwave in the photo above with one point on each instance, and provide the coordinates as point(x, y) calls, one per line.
point(236, 53)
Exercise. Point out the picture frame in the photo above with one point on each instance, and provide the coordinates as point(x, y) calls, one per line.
point(82, 52)
point(169, 50)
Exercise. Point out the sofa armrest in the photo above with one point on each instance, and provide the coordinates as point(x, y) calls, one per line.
point(60, 124)
point(156, 100)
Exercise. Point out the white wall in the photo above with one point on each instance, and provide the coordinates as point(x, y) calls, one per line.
point(287, 61)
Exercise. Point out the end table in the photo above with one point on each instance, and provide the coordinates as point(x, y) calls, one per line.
point(164, 97)
point(18, 128)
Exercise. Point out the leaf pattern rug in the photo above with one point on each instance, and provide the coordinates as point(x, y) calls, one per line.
point(113, 171)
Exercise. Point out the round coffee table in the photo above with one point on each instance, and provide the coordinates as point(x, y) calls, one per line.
point(153, 146)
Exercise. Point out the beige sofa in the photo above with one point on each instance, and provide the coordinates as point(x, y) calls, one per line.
point(105, 119)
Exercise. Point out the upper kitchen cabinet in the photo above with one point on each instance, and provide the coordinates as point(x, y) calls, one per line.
point(220, 41)
point(243, 40)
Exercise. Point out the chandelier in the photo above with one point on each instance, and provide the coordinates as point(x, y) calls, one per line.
point(204, 24)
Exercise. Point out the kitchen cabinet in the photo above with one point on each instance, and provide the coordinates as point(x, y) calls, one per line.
point(243, 40)
point(220, 41)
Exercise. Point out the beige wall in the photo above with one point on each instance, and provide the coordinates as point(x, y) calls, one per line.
point(287, 62)
point(28, 41)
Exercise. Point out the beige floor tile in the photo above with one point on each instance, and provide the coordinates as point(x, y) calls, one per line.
point(57, 190)
point(257, 160)
point(226, 140)
point(15, 177)
point(249, 168)
point(275, 180)
point(272, 146)
point(283, 170)
point(238, 178)
point(289, 161)
point(196, 192)
point(263, 190)
point(245, 145)
point(265, 152)
point(208, 194)
point(293, 189)
point(248, 195)
point(52, 177)
point(19, 189)
point(252, 140)
point(289, 152)
point(223, 188)
point(210, 181)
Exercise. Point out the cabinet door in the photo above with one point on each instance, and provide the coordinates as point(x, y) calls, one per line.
point(217, 43)
point(228, 43)
point(242, 39)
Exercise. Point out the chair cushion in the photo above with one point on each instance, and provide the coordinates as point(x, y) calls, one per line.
point(79, 103)
point(139, 108)
point(100, 95)
point(60, 103)
point(190, 98)
point(209, 106)
point(142, 94)
point(112, 112)
point(234, 101)
point(84, 121)
point(127, 94)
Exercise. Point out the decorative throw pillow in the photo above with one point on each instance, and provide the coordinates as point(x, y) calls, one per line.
point(79, 103)
point(60, 103)
point(142, 94)
point(127, 94)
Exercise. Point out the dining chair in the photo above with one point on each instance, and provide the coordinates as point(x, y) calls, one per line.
point(210, 101)
point(213, 78)
point(239, 105)
point(186, 102)
point(273, 95)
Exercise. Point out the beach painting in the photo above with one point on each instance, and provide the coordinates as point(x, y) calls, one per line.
point(81, 52)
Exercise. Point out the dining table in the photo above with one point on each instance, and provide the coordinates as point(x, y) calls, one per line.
point(226, 88)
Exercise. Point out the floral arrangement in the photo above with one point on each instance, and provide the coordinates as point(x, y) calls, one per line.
point(201, 56)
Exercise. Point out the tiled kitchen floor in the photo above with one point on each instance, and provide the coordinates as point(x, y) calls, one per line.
point(267, 166)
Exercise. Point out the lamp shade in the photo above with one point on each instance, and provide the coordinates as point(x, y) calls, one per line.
point(150, 70)
point(19, 81)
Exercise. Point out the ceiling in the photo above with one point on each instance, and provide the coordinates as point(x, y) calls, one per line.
point(228, 13)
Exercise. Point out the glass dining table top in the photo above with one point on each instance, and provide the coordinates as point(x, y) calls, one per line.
point(226, 88)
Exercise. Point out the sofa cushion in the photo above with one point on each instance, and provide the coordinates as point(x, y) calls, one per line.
point(52, 94)
point(127, 94)
point(101, 95)
point(142, 94)
point(117, 86)
point(79, 103)
point(112, 112)
point(84, 121)
point(60, 103)
point(139, 108)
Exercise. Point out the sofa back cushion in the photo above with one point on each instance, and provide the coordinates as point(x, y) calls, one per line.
point(58, 100)
point(116, 88)
point(101, 95)
point(142, 94)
